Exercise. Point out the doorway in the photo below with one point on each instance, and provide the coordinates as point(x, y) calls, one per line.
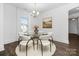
point(74, 28)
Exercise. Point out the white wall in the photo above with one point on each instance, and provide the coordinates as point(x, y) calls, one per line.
point(9, 26)
point(1, 28)
point(73, 26)
point(32, 22)
point(60, 20)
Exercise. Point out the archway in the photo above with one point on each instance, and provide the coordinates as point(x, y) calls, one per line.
point(74, 29)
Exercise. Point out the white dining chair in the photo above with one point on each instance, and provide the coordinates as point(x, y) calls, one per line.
point(23, 38)
point(47, 40)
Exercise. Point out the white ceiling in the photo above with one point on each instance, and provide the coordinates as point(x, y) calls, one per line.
point(42, 7)
point(74, 13)
point(74, 10)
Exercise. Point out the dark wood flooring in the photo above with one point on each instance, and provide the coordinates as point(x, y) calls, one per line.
point(62, 49)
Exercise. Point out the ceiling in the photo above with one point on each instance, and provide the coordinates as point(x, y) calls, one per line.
point(74, 13)
point(74, 10)
point(42, 7)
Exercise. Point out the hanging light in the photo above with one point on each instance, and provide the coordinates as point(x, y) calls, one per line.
point(35, 12)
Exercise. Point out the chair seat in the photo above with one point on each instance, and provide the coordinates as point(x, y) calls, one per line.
point(44, 37)
point(23, 43)
point(25, 37)
point(45, 42)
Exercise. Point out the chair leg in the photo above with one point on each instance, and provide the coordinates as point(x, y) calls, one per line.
point(42, 49)
point(19, 47)
point(50, 46)
point(37, 44)
point(26, 50)
point(18, 40)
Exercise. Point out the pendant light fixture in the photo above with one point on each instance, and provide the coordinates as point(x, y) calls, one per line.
point(35, 11)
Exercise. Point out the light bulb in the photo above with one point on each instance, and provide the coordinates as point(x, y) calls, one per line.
point(33, 11)
point(37, 13)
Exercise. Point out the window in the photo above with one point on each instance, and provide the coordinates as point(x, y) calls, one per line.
point(24, 23)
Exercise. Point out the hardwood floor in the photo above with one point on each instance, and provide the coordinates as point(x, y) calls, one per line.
point(10, 49)
point(62, 49)
point(74, 42)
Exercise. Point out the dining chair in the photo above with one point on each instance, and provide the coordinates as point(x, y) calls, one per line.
point(23, 39)
point(47, 39)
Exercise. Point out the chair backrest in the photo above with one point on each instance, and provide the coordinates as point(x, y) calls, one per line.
point(46, 37)
point(23, 36)
point(50, 33)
